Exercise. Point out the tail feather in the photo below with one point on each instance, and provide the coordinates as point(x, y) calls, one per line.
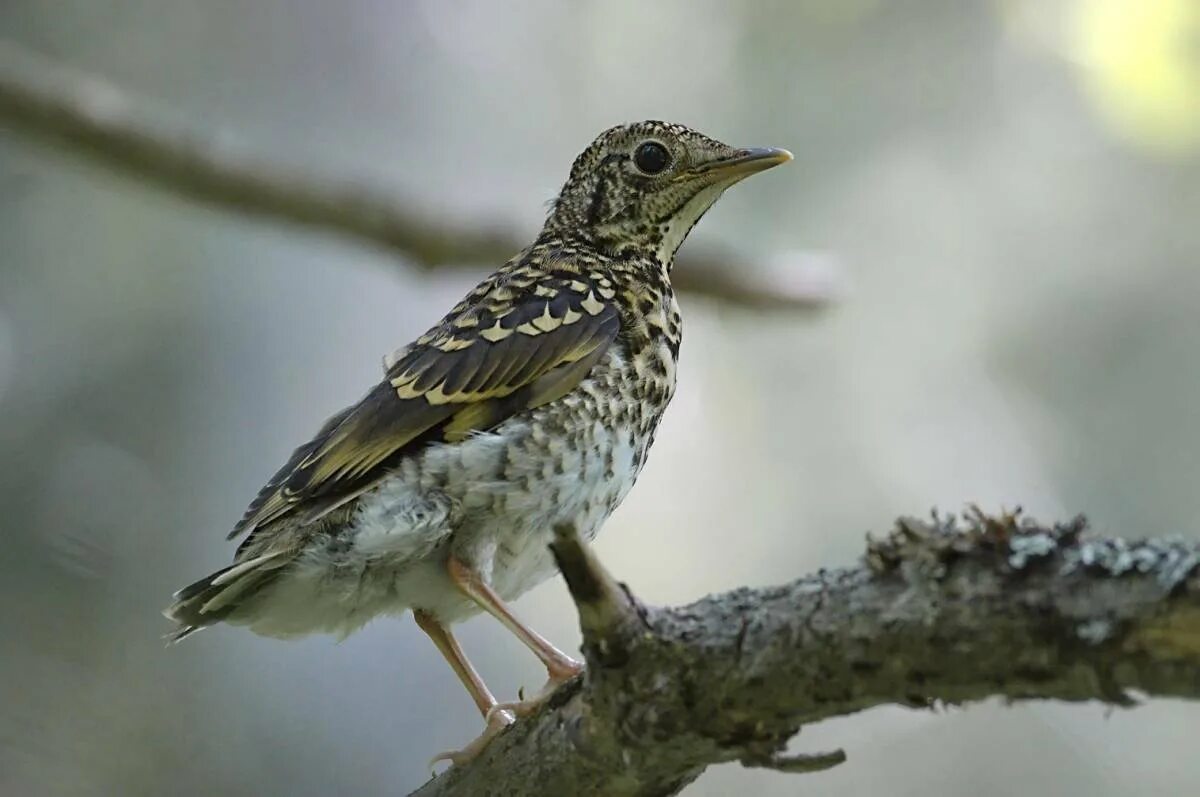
point(239, 569)
point(181, 633)
point(214, 597)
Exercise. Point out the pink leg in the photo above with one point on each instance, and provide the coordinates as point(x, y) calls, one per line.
point(497, 719)
point(559, 666)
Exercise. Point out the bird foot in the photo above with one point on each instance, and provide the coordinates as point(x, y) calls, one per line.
point(523, 707)
point(497, 720)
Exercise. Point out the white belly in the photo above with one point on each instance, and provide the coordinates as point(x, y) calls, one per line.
point(493, 500)
point(507, 523)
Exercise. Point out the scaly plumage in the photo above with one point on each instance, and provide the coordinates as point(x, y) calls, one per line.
point(532, 402)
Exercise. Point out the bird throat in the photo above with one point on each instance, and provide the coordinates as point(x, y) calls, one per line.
point(675, 229)
point(660, 239)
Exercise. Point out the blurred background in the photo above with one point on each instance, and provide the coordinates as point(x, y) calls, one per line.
point(1008, 192)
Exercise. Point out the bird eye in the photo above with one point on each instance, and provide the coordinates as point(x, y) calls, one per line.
point(651, 157)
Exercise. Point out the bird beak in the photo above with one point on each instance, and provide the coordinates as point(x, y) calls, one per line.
point(742, 163)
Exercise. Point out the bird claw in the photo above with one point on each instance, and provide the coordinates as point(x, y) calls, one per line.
point(523, 707)
point(501, 715)
point(564, 671)
point(497, 720)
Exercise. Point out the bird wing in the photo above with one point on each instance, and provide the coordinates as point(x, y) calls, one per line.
point(502, 351)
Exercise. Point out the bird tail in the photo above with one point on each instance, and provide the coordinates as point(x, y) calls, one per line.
point(214, 597)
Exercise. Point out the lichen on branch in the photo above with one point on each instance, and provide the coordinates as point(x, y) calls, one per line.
point(946, 610)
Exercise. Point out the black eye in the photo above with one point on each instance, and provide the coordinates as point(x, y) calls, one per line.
point(651, 157)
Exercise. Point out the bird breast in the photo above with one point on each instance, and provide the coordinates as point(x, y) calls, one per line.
point(492, 499)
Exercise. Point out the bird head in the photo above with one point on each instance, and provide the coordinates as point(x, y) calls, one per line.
point(643, 186)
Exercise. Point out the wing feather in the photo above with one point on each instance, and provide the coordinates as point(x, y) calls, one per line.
point(499, 354)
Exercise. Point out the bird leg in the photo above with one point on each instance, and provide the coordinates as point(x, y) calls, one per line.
point(497, 718)
point(560, 667)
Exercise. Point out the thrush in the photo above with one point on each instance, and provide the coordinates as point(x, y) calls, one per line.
point(533, 402)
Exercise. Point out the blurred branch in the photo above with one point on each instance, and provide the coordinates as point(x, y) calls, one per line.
point(93, 119)
point(938, 612)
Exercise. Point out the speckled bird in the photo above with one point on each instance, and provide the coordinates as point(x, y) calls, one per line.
point(532, 402)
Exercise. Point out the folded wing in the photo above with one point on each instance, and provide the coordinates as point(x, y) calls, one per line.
point(504, 353)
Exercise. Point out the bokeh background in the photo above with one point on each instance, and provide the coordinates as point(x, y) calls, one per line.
point(1005, 193)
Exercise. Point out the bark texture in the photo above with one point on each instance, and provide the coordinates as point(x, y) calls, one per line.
point(939, 612)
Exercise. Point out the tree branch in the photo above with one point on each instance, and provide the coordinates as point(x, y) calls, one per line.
point(938, 612)
point(92, 119)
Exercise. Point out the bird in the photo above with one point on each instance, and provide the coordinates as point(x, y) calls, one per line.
point(532, 402)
